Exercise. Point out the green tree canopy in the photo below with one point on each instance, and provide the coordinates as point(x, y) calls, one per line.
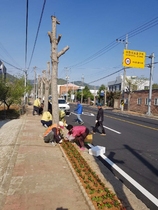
point(87, 94)
point(102, 87)
point(155, 86)
point(11, 92)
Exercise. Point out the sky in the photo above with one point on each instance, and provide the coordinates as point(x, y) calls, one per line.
point(90, 29)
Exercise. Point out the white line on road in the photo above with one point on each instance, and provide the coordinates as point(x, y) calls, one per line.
point(84, 113)
point(132, 181)
point(112, 129)
point(151, 197)
point(91, 114)
point(88, 113)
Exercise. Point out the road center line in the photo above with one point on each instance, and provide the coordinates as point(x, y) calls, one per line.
point(144, 126)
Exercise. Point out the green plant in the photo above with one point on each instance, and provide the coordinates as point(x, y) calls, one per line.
point(101, 196)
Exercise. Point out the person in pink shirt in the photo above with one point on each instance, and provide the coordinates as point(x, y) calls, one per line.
point(79, 133)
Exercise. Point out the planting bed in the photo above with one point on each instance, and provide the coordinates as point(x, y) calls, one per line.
point(100, 196)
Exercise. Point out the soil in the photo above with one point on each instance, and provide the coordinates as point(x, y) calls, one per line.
point(99, 194)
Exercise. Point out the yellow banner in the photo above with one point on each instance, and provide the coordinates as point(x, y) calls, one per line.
point(133, 59)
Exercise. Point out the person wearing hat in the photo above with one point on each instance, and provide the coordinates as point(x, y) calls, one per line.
point(78, 133)
point(53, 133)
point(99, 121)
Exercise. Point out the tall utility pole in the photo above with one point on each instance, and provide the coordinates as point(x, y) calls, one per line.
point(82, 89)
point(94, 95)
point(39, 86)
point(151, 66)
point(67, 82)
point(105, 97)
point(35, 80)
point(54, 61)
point(124, 73)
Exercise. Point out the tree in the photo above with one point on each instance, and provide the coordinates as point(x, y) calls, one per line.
point(3, 91)
point(155, 86)
point(87, 94)
point(100, 95)
point(12, 92)
point(110, 96)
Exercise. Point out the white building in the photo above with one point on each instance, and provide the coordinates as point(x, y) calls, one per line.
point(117, 85)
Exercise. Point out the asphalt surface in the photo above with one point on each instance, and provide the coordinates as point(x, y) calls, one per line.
point(38, 176)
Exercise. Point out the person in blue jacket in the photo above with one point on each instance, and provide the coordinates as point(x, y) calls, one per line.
point(79, 110)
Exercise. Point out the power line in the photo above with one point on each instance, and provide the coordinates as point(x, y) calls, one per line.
point(7, 53)
point(11, 65)
point(26, 32)
point(106, 76)
point(113, 44)
point(97, 54)
point(115, 73)
point(143, 27)
point(37, 33)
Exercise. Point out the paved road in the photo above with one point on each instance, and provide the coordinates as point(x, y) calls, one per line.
point(131, 143)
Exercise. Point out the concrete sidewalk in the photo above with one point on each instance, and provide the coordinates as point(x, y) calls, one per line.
point(35, 175)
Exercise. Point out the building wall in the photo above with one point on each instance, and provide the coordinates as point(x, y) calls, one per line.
point(117, 85)
point(63, 89)
point(143, 107)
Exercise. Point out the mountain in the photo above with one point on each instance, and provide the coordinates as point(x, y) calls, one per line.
point(91, 87)
point(59, 82)
point(78, 83)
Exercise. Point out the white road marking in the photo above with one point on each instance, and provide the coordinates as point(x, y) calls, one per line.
point(151, 197)
point(91, 114)
point(112, 129)
point(88, 113)
point(84, 113)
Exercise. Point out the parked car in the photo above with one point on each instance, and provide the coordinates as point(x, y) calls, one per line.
point(63, 105)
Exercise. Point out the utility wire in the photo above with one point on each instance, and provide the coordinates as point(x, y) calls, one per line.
point(106, 76)
point(97, 54)
point(115, 73)
point(26, 34)
point(37, 33)
point(113, 44)
point(7, 53)
point(144, 27)
point(11, 65)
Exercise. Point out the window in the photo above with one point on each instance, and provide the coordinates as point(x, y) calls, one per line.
point(146, 101)
point(156, 101)
point(126, 100)
point(139, 101)
point(146, 87)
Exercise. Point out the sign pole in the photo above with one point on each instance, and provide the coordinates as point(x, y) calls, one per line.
point(151, 81)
